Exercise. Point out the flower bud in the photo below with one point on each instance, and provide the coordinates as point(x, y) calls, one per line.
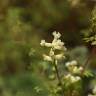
point(47, 58)
point(59, 56)
point(42, 43)
point(56, 34)
point(48, 44)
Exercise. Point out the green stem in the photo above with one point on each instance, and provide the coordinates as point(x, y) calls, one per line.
point(58, 76)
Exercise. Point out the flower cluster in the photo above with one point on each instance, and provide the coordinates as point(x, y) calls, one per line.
point(94, 92)
point(72, 78)
point(74, 72)
point(72, 67)
point(56, 44)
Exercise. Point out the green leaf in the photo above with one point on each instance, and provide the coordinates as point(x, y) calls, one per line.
point(88, 73)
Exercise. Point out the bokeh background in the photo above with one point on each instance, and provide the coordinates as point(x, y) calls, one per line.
point(23, 23)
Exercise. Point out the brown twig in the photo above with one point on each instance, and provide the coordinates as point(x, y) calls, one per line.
point(85, 65)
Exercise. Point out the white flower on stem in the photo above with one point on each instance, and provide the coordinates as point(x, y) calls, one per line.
point(56, 44)
point(47, 58)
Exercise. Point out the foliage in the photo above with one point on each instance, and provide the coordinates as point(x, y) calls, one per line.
point(22, 25)
point(90, 33)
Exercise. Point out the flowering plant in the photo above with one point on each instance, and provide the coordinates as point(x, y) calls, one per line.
point(66, 84)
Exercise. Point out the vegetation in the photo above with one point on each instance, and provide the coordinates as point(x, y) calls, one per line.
point(69, 69)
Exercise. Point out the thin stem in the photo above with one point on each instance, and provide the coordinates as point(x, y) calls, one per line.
point(88, 60)
point(58, 76)
point(86, 63)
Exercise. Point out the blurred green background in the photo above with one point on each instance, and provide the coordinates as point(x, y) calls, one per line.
point(23, 23)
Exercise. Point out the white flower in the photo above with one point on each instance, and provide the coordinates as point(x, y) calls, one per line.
point(56, 44)
point(75, 79)
point(72, 78)
point(77, 70)
point(60, 43)
point(56, 34)
point(72, 63)
point(51, 53)
point(73, 68)
point(80, 69)
point(42, 43)
point(94, 90)
point(47, 58)
point(59, 56)
point(67, 64)
point(48, 44)
point(68, 76)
